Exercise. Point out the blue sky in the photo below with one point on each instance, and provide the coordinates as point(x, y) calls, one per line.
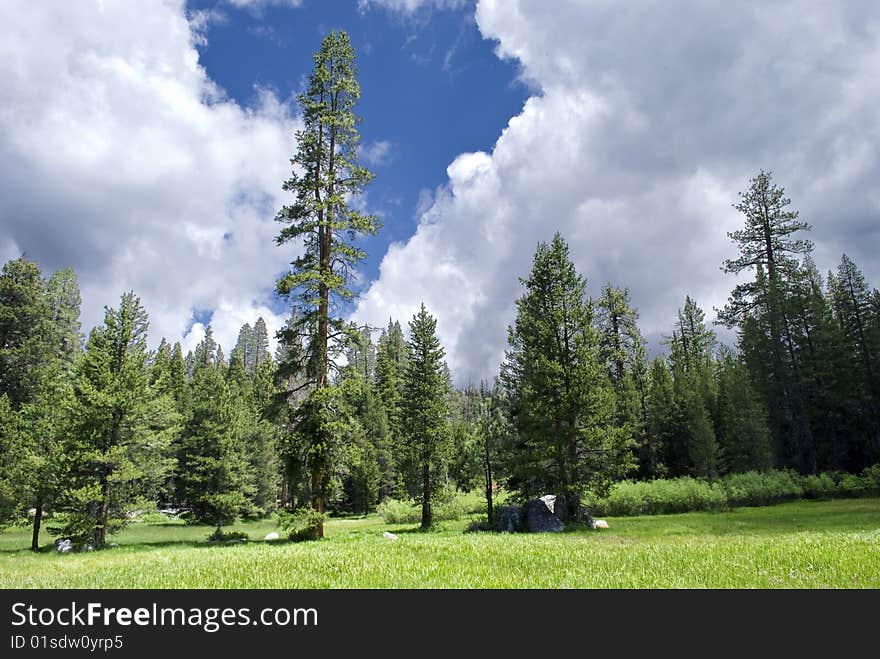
point(146, 149)
point(431, 88)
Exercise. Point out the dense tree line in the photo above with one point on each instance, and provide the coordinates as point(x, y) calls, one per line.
point(100, 427)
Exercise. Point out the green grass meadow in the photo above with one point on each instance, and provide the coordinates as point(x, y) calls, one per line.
point(805, 544)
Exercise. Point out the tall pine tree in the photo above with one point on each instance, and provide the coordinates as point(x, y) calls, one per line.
point(322, 218)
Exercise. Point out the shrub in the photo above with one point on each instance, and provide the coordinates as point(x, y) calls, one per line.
point(871, 478)
point(754, 488)
point(456, 506)
point(661, 496)
point(395, 511)
point(227, 536)
point(819, 486)
point(301, 524)
point(851, 485)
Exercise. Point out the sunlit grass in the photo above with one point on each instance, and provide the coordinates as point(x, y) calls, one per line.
point(828, 544)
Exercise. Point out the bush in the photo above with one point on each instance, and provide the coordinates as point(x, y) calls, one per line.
point(819, 486)
point(871, 478)
point(301, 524)
point(755, 488)
point(851, 485)
point(446, 507)
point(227, 536)
point(395, 511)
point(661, 496)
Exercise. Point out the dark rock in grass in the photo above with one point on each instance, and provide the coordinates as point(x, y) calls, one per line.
point(508, 518)
point(540, 519)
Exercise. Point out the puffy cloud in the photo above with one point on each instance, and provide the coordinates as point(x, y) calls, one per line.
point(120, 158)
point(644, 125)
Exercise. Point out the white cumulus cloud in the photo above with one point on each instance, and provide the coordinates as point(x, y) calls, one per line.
point(120, 158)
point(644, 125)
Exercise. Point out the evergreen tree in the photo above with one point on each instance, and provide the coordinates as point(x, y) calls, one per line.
point(259, 351)
point(374, 443)
point(326, 180)
point(851, 301)
point(390, 367)
point(466, 433)
point(743, 435)
point(691, 348)
point(619, 336)
point(28, 337)
point(494, 430)
point(177, 372)
point(562, 401)
point(364, 475)
point(263, 436)
point(241, 359)
point(622, 351)
point(767, 245)
point(39, 323)
point(425, 406)
point(216, 479)
point(205, 353)
point(663, 424)
point(121, 429)
point(13, 468)
point(62, 291)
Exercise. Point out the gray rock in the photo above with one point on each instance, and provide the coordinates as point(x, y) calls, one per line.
point(62, 546)
point(549, 501)
point(540, 519)
point(508, 518)
point(272, 536)
point(389, 536)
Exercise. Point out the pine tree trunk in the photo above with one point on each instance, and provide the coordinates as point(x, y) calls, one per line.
point(103, 515)
point(427, 515)
point(490, 512)
point(285, 485)
point(318, 498)
point(38, 520)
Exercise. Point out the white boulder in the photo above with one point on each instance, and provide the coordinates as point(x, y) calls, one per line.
point(272, 536)
point(389, 536)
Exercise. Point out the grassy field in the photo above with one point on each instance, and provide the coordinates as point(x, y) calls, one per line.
point(807, 544)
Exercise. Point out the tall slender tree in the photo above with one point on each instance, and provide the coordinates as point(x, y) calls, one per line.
point(326, 180)
point(691, 350)
point(425, 405)
point(768, 246)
